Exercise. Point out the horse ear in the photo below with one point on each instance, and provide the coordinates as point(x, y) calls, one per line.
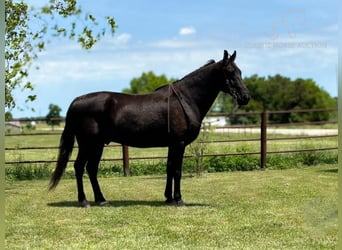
point(232, 57)
point(225, 56)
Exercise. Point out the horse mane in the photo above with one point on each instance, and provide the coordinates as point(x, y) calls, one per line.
point(163, 86)
point(211, 61)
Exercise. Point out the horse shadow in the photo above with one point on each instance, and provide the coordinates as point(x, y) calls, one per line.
point(123, 203)
point(333, 170)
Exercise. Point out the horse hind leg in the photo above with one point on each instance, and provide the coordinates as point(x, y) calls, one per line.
point(79, 166)
point(92, 169)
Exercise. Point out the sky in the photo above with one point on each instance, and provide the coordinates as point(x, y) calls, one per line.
point(297, 39)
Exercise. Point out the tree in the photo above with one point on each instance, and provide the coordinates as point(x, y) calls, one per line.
point(8, 116)
point(52, 118)
point(281, 93)
point(147, 83)
point(23, 40)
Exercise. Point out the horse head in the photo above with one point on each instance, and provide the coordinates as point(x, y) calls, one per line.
point(233, 81)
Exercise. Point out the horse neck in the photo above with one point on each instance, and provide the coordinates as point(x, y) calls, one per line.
point(202, 89)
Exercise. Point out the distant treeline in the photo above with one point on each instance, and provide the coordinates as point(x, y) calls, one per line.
point(270, 93)
point(281, 93)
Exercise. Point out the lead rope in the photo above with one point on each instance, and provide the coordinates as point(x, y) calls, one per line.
point(171, 89)
point(189, 120)
point(234, 109)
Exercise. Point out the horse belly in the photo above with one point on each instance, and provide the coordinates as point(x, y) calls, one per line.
point(143, 138)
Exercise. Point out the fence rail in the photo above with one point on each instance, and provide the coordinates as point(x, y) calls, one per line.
point(262, 128)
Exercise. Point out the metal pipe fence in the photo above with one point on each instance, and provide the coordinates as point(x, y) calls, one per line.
point(261, 129)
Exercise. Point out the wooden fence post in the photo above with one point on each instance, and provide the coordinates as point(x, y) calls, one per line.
point(125, 159)
point(263, 140)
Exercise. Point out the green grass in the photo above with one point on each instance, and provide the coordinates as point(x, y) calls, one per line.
point(274, 209)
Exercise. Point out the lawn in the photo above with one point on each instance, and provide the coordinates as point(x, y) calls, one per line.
point(272, 209)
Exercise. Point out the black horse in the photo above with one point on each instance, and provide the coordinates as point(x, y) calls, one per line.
point(171, 116)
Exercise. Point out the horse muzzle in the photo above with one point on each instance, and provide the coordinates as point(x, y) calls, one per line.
point(243, 99)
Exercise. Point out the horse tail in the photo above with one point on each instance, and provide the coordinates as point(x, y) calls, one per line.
point(65, 149)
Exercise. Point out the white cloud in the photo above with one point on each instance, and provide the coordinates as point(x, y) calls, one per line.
point(189, 30)
point(116, 60)
point(122, 39)
point(173, 44)
point(332, 28)
point(108, 63)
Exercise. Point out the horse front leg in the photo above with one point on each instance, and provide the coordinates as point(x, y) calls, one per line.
point(178, 176)
point(169, 181)
point(174, 174)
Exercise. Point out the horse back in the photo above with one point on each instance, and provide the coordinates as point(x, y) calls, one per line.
point(135, 120)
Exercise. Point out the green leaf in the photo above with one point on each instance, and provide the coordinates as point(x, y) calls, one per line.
point(23, 42)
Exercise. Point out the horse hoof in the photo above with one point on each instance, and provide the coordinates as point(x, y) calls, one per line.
point(180, 203)
point(170, 202)
point(103, 203)
point(85, 204)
